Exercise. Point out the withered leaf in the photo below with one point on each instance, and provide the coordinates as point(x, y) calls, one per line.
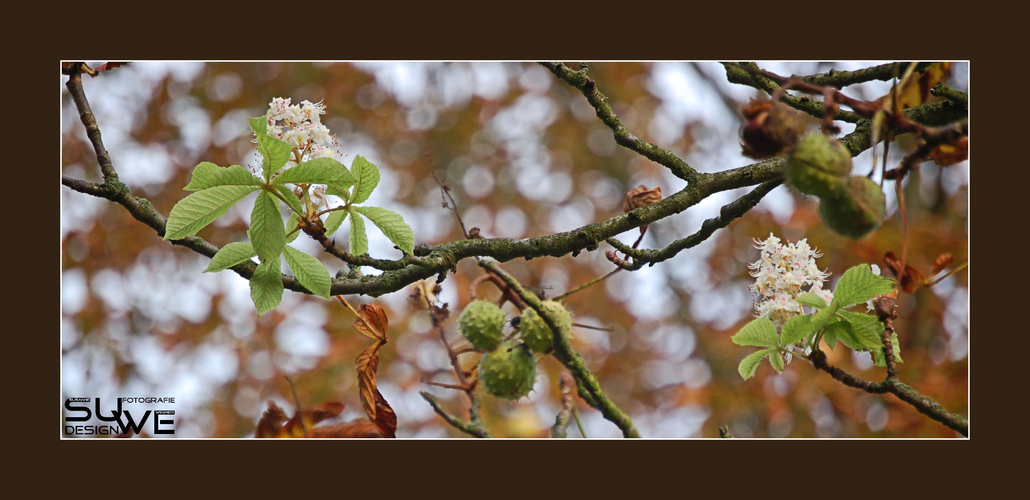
point(378, 410)
point(355, 429)
point(911, 279)
point(951, 153)
point(422, 295)
point(271, 423)
point(109, 66)
point(386, 419)
point(367, 364)
point(915, 90)
point(374, 316)
point(639, 197)
point(942, 262)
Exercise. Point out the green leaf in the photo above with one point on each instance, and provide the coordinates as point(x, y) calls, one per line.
point(358, 236)
point(796, 329)
point(309, 271)
point(292, 231)
point(266, 286)
point(392, 225)
point(199, 209)
point(341, 191)
point(367, 175)
point(830, 337)
point(207, 175)
point(759, 332)
point(880, 359)
point(749, 364)
point(823, 317)
point(867, 329)
point(266, 228)
point(291, 198)
point(275, 152)
point(333, 222)
point(776, 360)
point(859, 284)
point(317, 171)
point(812, 300)
point(842, 331)
point(230, 255)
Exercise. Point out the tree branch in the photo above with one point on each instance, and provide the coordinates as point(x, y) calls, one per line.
point(470, 429)
point(921, 403)
point(623, 137)
point(727, 214)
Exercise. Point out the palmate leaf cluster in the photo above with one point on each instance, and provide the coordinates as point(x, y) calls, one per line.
point(219, 188)
point(831, 322)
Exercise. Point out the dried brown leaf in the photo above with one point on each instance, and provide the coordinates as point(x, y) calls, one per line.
point(378, 410)
point(951, 153)
point(367, 364)
point(422, 295)
point(386, 419)
point(311, 417)
point(374, 316)
point(355, 429)
point(639, 197)
point(911, 279)
point(943, 261)
point(916, 90)
point(109, 66)
point(272, 422)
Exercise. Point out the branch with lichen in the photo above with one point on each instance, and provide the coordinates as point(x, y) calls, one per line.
point(921, 403)
point(468, 428)
point(727, 214)
point(429, 261)
point(581, 81)
point(841, 79)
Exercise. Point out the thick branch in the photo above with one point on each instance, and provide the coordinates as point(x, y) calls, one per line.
point(841, 79)
point(921, 403)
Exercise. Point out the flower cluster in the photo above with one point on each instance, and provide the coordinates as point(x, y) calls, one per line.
point(300, 125)
point(780, 274)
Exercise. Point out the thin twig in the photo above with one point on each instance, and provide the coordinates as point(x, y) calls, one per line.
point(470, 429)
point(300, 409)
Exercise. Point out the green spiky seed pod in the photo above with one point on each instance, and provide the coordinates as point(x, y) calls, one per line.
point(818, 165)
point(482, 324)
point(855, 211)
point(536, 334)
point(509, 371)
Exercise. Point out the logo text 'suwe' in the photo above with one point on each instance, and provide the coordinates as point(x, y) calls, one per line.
point(122, 420)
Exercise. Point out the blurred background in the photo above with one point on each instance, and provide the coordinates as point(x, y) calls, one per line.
point(526, 156)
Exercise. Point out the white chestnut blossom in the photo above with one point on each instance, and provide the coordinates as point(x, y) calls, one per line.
point(781, 274)
point(300, 125)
